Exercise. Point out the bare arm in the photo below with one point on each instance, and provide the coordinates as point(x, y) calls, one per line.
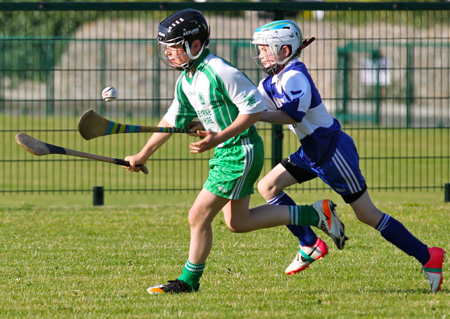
point(153, 144)
point(277, 117)
point(212, 139)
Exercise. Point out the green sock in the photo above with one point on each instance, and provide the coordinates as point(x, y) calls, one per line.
point(304, 215)
point(192, 273)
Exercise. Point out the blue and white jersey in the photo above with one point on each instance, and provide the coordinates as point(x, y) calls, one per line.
point(293, 91)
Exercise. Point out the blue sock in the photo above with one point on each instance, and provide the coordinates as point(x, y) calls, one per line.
point(305, 234)
point(397, 234)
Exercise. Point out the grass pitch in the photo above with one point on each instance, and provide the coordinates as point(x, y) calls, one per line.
point(63, 258)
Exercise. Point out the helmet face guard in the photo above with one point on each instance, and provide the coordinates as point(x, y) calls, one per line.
point(275, 35)
point(270, 53)
point(172, 60)
point(181, 61)
point(179, 31)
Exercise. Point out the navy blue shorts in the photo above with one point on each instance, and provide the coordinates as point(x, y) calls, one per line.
point(341, 172)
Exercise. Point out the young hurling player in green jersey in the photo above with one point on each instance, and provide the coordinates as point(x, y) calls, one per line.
point(227, 104)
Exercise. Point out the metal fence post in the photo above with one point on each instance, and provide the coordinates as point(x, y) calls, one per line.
point(50, 77)
point(409, 85)
point(102, 73)
point(99, 195)
point(156, 82)
point(2, 76)
point(277, 129)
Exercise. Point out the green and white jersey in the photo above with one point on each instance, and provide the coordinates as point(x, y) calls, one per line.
point(216, 94)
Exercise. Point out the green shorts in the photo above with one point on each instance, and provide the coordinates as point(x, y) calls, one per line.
point(234, 170)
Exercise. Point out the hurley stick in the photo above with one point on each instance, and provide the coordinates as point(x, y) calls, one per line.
point(92, 125)
point(39, 148)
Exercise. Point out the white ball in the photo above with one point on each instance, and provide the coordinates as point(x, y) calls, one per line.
point(109, 94)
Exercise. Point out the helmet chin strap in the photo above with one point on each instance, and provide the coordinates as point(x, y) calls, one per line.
point(274, 69)
point(189, 53)
point(275, 55)
point(278, 65)
point(187, 65)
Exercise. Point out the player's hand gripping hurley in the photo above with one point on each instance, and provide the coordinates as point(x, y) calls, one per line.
point(39, 148)
point(92, 125)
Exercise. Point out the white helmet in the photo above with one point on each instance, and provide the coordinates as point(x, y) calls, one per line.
point(277, 34)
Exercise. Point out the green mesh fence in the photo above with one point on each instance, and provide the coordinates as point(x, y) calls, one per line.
point(383, 69)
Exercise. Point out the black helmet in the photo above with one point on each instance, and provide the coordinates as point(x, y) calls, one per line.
point(182, 27)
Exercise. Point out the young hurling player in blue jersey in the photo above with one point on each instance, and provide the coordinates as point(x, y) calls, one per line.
point(325, 152)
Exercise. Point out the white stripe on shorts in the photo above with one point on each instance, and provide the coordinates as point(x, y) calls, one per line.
point(346, 172)
point(248, 161)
